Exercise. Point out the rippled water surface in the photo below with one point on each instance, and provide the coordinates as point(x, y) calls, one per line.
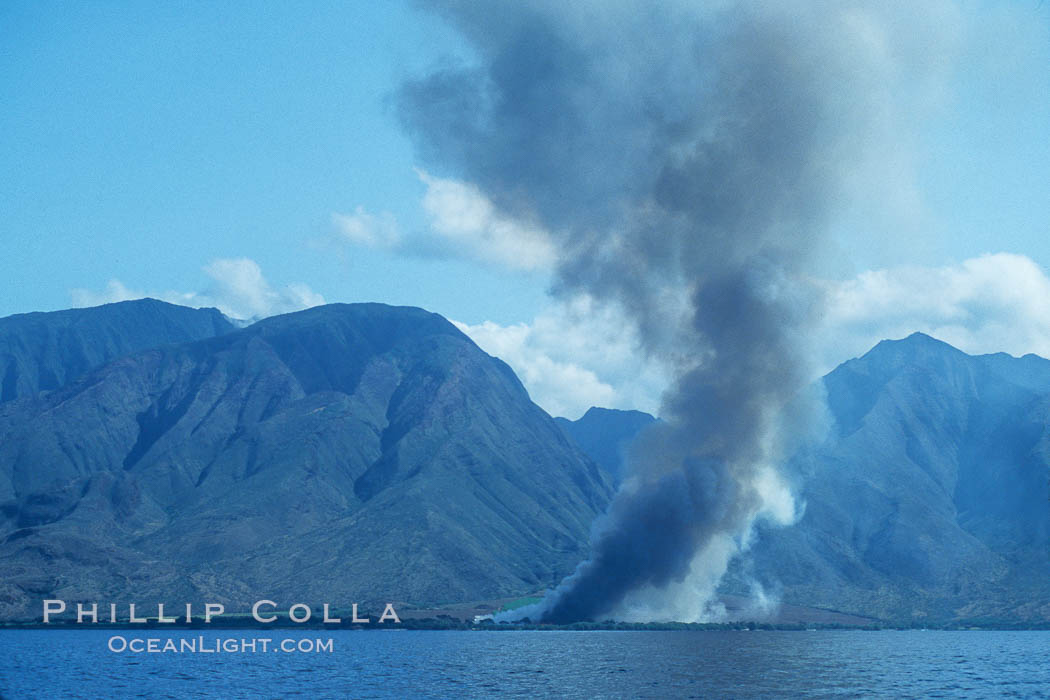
point(63, 664)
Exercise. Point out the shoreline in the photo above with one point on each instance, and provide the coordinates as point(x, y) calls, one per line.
point(441, 625)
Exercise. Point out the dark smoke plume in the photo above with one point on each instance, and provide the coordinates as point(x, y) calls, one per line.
point(685, 159)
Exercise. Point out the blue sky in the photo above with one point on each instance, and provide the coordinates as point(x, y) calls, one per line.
point(142, 142)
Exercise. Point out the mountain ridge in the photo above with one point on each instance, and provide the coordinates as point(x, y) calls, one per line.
point(375, 448)
point(42, 351)
point(928, 500)
point(367, 452)
point(606, 434)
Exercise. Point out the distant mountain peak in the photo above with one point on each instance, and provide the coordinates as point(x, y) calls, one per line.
point(605, 434)
point(596, 411)
point(43, 351)
point(928, 500)
point(890, 356)
point(912, 342)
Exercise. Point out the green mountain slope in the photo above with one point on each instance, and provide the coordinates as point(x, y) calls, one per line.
point(347, 453)
point(44, 351)
point(929, 500)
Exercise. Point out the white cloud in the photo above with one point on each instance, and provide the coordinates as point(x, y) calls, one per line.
point(371, 230)
point(992, 303)
point(573, 356)
point(238, 289)
point(578, 354)
point(562, 388)
point(464, 216)
point(115, 291)
point(463, 223)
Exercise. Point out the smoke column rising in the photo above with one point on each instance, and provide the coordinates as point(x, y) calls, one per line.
point(685, 159)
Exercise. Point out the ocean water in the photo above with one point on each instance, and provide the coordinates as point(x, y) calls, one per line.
point(409, 664)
